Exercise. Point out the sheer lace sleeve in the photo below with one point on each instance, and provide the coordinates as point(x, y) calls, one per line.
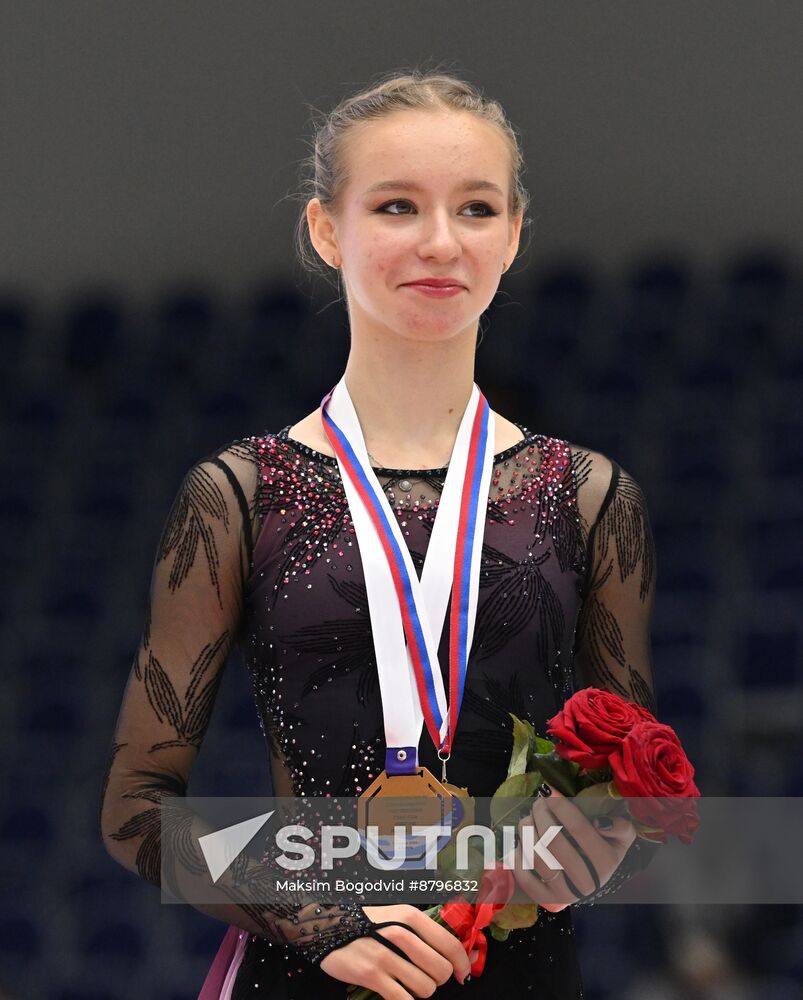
point(194, 616)
point(612, 640)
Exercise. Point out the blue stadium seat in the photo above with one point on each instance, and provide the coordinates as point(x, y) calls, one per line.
point(659, 289)
point(72, 602)
point(93, 332)
point(612, 440)
point(770, 658)
point(200, 937)
point(186, 322)
point(709, 383)
point(684, 546)
point(676, 662)
point(15, 332)
point(242, 715)
point(100, 499)
point(54, 719)
point(19, 513)
point(277, 317)
point(276, 346)
point(756, 287)
point(20, 940)
point(127, 422)
point(86, 992)
point(697, 453)
point(774, 543)
point(684, 707)
point(35, 416)
point(695, 579)
point(562, 299)
point(782, 451)
point(25, 824)
point(222, 416)
point(117, 941)
point(614, 389)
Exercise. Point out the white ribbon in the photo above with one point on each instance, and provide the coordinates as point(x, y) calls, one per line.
point(403, 718)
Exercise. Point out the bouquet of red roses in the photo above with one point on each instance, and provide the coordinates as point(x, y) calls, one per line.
point(601, 743)
point(611, 752)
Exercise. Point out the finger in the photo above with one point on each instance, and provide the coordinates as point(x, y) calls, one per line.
point(585, 855)
point(577, 825)
point(363, 968)
point(579, 876)
point(616, 830)
point(408, 974)
point(526, 872)
point(420, 953)
point(538, 863)
point(443, 941)
point(388, 988)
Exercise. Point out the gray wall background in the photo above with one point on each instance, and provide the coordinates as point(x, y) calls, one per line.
point(149, 142)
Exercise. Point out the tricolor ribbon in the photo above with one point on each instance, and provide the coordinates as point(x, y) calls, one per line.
point(451, 566)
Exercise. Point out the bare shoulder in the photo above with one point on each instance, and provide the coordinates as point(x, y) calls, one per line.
point(604, 486)
point(309, 431)
point(506, 433)
point(592, 469)
point(593, 473)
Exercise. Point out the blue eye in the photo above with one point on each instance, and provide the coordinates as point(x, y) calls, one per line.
point(385, 207)
point(488, 211)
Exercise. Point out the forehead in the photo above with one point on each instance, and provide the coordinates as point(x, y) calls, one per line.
point(426, 146)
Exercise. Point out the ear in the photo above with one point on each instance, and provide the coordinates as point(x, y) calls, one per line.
point(515, 235)
point(322, 231)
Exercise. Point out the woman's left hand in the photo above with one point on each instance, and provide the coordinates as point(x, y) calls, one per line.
point(604, 850)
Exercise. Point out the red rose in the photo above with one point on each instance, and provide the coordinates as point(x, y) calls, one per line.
point(469, 920)
point(592, 724)
point(649, 768)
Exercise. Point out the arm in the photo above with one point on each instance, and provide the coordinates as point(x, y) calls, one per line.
point(194, 615)
point(612, 639)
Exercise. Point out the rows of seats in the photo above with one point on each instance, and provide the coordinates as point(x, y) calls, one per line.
point(690, 381)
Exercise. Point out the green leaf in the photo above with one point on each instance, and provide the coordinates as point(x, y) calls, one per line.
point(596, 800)
point(515, 916)
point(523, 739)
point(511, 795)
point(543, 746)
point(558, 772)
point(499, 933)
point(447, 863)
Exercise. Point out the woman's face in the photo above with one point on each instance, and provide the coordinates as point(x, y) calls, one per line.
point(442, 212)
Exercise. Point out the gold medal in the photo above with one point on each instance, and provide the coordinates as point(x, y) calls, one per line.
point(463, 804)
point(417, 799)
point(406, 801)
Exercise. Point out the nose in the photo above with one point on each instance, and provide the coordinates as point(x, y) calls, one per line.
point(439, 238)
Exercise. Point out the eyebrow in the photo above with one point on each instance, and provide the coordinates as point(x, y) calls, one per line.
point(396, 185)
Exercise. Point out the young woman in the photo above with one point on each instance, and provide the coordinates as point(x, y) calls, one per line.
point(417, 201)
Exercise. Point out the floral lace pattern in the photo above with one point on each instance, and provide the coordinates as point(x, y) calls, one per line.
point(258, 549)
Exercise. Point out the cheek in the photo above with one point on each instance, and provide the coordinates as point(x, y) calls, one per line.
point(377, 259)
point(491, 259)
point(485, 255)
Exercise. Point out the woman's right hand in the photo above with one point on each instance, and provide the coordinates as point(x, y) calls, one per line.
point(434, 953)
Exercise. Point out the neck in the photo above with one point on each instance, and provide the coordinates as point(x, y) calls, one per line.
point(410, 397)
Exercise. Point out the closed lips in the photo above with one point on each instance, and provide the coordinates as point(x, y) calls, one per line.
point(442, 283)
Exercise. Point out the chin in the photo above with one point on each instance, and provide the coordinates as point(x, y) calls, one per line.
point(426, 332)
